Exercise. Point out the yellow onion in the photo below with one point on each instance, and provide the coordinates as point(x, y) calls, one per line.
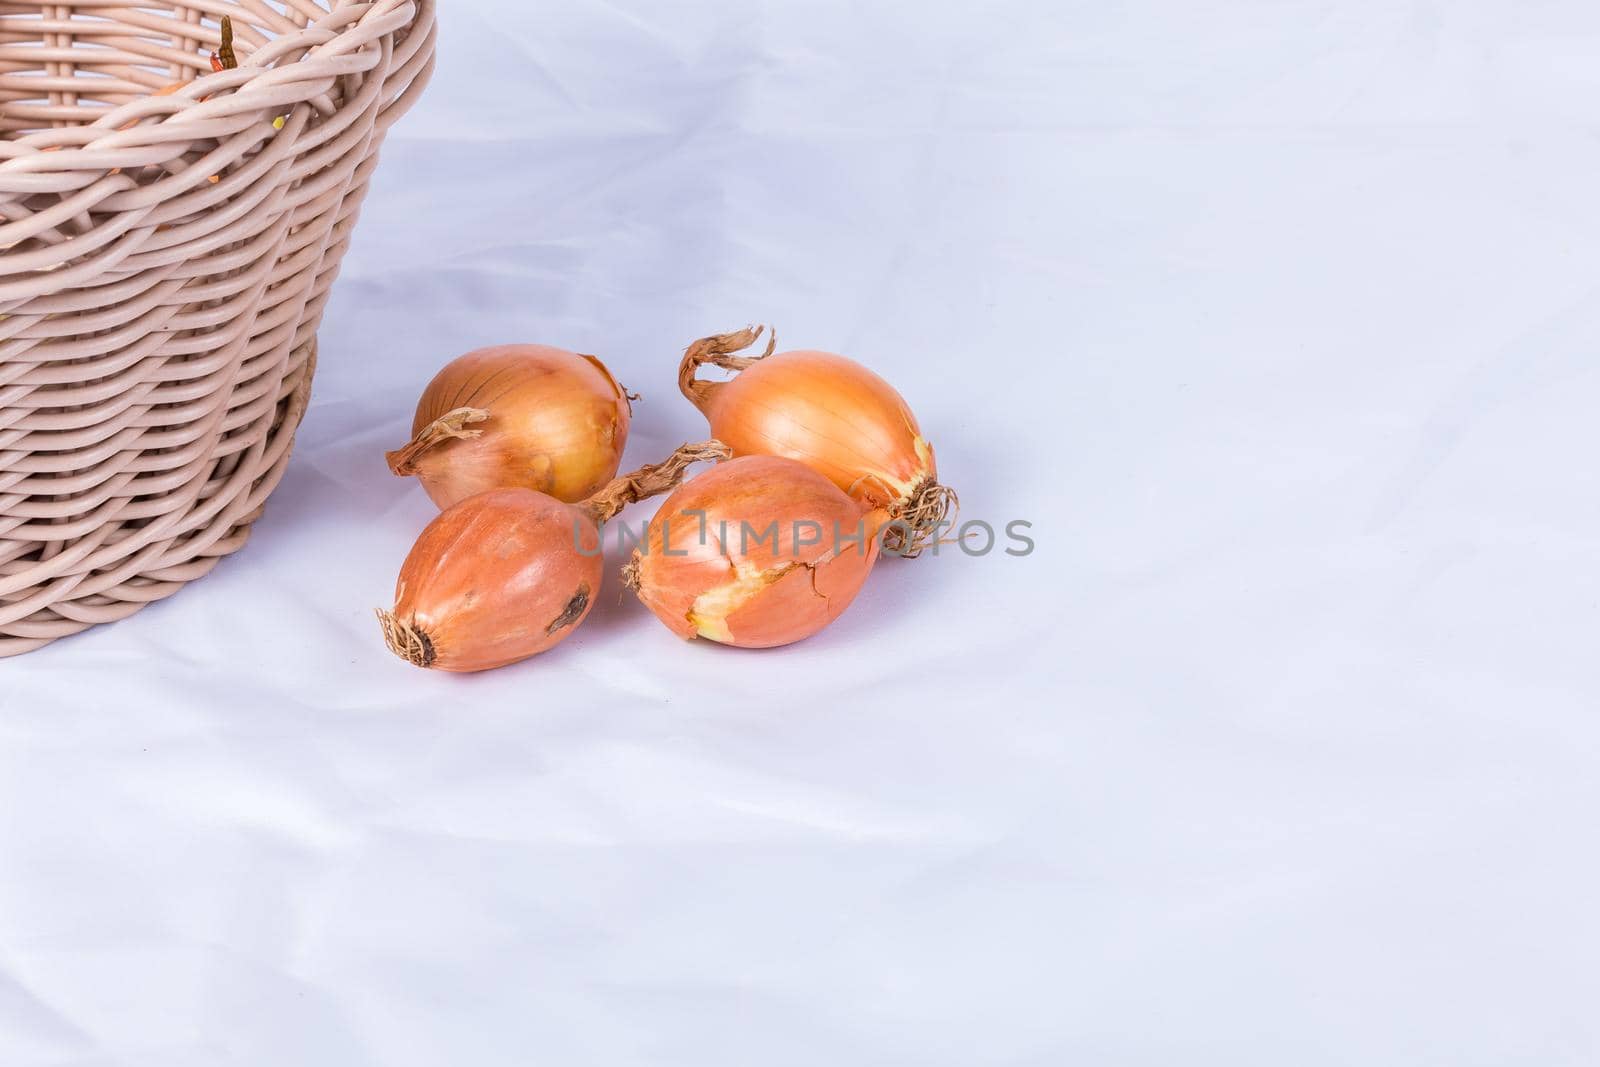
point(833, 415)
point(756, 552)
point(506, 574)
point(517, 416)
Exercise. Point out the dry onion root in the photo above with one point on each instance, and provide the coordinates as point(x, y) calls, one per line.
point(517, 416)
point(509, 573)
point(757, 552)
point(833, 415)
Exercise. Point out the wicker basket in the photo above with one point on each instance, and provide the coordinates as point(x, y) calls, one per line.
point(164, 262)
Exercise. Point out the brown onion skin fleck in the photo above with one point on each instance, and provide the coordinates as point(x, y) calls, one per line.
point(494, 579)
point(800, 592)
point(558, 423)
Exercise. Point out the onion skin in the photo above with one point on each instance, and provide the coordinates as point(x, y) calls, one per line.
point(509, 573)
point(833, 415)
point(747, 592)
point(517, 416)
point(494, 579)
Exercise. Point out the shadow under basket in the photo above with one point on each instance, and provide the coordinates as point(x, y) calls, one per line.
point(168, 236)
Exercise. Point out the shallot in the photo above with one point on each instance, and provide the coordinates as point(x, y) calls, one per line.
point(833, 415)
point(756, 552)
point(517, 416)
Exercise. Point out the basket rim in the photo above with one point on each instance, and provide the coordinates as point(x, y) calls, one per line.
point(338, 43)
point(96, 200)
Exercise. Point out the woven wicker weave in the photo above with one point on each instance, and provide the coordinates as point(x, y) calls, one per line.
point(164, 263)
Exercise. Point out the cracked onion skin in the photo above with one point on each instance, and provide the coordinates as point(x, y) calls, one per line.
point(492, 580)
point(517, 416)
point(830, 413)
point(754, 593)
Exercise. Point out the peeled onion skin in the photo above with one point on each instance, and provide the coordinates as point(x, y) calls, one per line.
point(509, 573)
point(754, 593)
point(833, 415)
point(517, 416)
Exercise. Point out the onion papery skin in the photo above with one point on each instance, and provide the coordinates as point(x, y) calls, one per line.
point(494, 579)
point(747, 592)
point(547, 419)
point(830, 413)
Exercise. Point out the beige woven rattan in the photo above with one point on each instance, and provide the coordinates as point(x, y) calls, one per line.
point(164, 263)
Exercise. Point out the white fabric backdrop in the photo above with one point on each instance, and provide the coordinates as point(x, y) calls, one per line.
point(1277, 319)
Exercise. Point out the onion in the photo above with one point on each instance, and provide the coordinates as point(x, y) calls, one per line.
point(708, 568)
point(540, 418)
point(508, 573)
point(833, 415)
